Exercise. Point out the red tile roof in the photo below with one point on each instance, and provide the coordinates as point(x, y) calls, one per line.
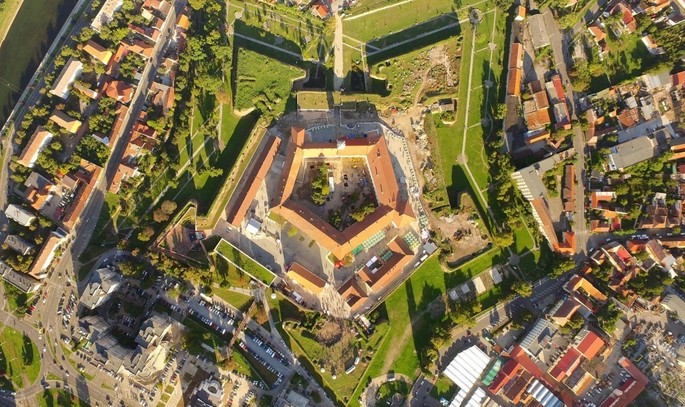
point(566, 365)
point(590, 345)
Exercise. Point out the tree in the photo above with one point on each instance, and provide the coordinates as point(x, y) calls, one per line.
point(320, 187)
point(146, 234)
point(162, 213)
point(93, 150)
point(131, 268)
point(561, 265)
point(523, 288)
point(503, 239)
point(574, 324)
point(608, 316)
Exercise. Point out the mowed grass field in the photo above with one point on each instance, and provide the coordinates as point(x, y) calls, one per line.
point(370, 21)
point(19, 358)
point(277, 25)
point(262, 81)
point(61, 398)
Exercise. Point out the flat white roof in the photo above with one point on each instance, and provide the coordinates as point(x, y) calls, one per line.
point(465, 369)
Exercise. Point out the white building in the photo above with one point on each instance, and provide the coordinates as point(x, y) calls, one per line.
point(19, 215)
point(101, 285)
point(106, 14)
point(465, 370)
point(70, 72)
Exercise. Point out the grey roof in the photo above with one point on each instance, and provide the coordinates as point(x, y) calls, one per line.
point(18, 244)
point(93, 327)
point(22, 281)
point(537, 339)
point(108, 347)
point(538, 31)
point(100, 287)
point(152, 330)
point(19, 214)
point(657, 80)
point(632, 152)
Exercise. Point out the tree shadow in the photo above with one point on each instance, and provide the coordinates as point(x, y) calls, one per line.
point(388, 51)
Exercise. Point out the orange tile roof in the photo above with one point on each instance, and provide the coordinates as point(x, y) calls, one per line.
point(38, 141)
point(390, 211)
point(97, 51)
point(566, 311)
point(119, 55)
point(510, 369)
point(352, 292)
point(393, 266)
point(566, 365)
point(87, 173)
point(45, 256)
point(118, 90)
point(65, 121)
point(516, 56)
point(182, 21)
point(123, 172)
point(546, 219)
point(38, 196)
point(116, 126)
point(238, 209)
point(590, 345)
point(514, 81)
point(141, 48)
point(597, 32)
point(538, 118)
point(305, 278)
point(678, 79)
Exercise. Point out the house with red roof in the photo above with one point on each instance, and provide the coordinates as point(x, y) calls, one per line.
point(320, 9)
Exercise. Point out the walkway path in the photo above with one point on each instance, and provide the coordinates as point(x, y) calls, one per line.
point(338, 62)
point(463, 160)
point(377, 10)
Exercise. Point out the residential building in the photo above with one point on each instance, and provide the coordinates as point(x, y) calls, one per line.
point(70, 72)
point(37, 143)
point(19, 215)
point(19, 245)
point(353, 291)
point(652, 47)
point(38, 190)
point(632, 152)
point(102, 283)
point(40, 265)
point(98, 52)
point(124, 173)
point(87, 175)
point(21, 281)
point(117, 90)
point(65, 121)
point(538, 31)
point(106, 14)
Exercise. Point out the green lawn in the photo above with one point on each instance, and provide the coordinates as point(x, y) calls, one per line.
point(444, 388)
point(61, 398)
point(19, 356)
point(258, 369)
point(242, 365)
point(244, 262)
point(197, 334)
point(388, 390)
point(238, 300)
point(17, 300)
point(301, 33)
point(395, 19)
point(263, 82)
point(476, 265)
point(523, 241)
